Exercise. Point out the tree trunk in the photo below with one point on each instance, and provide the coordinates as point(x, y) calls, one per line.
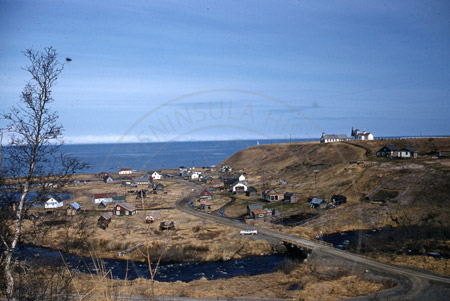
point(10, 250)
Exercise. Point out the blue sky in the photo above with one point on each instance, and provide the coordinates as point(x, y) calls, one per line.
point(210, 70)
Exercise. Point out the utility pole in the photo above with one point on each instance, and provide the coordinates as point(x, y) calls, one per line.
point(315, 177)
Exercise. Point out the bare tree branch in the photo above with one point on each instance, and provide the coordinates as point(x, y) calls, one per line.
point(34, 151)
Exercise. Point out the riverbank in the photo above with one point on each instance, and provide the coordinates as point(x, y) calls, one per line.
point(319, 278)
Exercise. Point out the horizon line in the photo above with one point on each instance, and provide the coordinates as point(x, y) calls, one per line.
point(249, 139)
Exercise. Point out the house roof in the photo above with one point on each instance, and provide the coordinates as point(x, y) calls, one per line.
point(141, 179)
point(106, 216)
point(334, 136)
point(127, 206)
point(316, 201)
point(75, 206)
point(389, 147)
point(125, 169)
point(409, 149)
point(230, 180)
point(206, 192)
point(252, 207)
point(251, 188)
point(104, 195)
point(56, 198)
point(264, 211)
point(271, 191)
point(289, 194)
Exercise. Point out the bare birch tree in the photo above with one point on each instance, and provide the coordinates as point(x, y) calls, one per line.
point(33, 154)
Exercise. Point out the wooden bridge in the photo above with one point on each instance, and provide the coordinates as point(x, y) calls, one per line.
point(305, 247)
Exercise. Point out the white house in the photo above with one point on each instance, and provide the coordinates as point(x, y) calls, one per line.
point(156, 176)
point(241, 178)
point(239, 187)
point(362, 135)
point(327, 138)
point(97, 198)
point(406, 152)
point(52, 203)
point(125, 171)
point(195, 175)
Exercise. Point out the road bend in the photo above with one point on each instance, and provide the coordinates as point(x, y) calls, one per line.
point(417, 281)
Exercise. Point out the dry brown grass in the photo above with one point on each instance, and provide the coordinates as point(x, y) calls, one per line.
point(314, 281)
point(441, 266)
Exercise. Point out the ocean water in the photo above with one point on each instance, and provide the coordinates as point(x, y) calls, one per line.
point(159, 155)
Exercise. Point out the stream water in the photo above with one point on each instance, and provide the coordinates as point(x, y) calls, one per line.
point(122, 269)
point(354, 240)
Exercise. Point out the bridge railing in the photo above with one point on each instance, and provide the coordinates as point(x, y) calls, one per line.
point(305, 246)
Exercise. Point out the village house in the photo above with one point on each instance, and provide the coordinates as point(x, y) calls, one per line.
point(103, 221)
point(229, 182)
point(204, 207)
point(387, 151)
point(141, 180)
point(225, 168)
point(239, 187)
point(205, 195)
point(261, 213)
point(252, 207)
point(102, 174)
point(73, 209)
point(183, 172)
point(125, 171)
point(156, 175)
point(107, 197)
point(290, 197)
point(406, 152)
point(102, 205)
point(53, 203)
point(358, 135)
point(251, 191)
point(124, 209)
point(194, 175)
point(338, 199)
point(158, 188)
point(317, 203)
point(240, 177)
point(208, 179)
point(271, 195)
point(327, 138)
point(167, 226)
point(108, 179)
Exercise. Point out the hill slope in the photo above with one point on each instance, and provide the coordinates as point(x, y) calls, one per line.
point(419, 186)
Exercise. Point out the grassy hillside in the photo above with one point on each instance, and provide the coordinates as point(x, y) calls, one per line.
point(422, 183)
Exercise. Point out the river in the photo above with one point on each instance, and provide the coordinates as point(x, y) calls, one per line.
point(185, 272)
